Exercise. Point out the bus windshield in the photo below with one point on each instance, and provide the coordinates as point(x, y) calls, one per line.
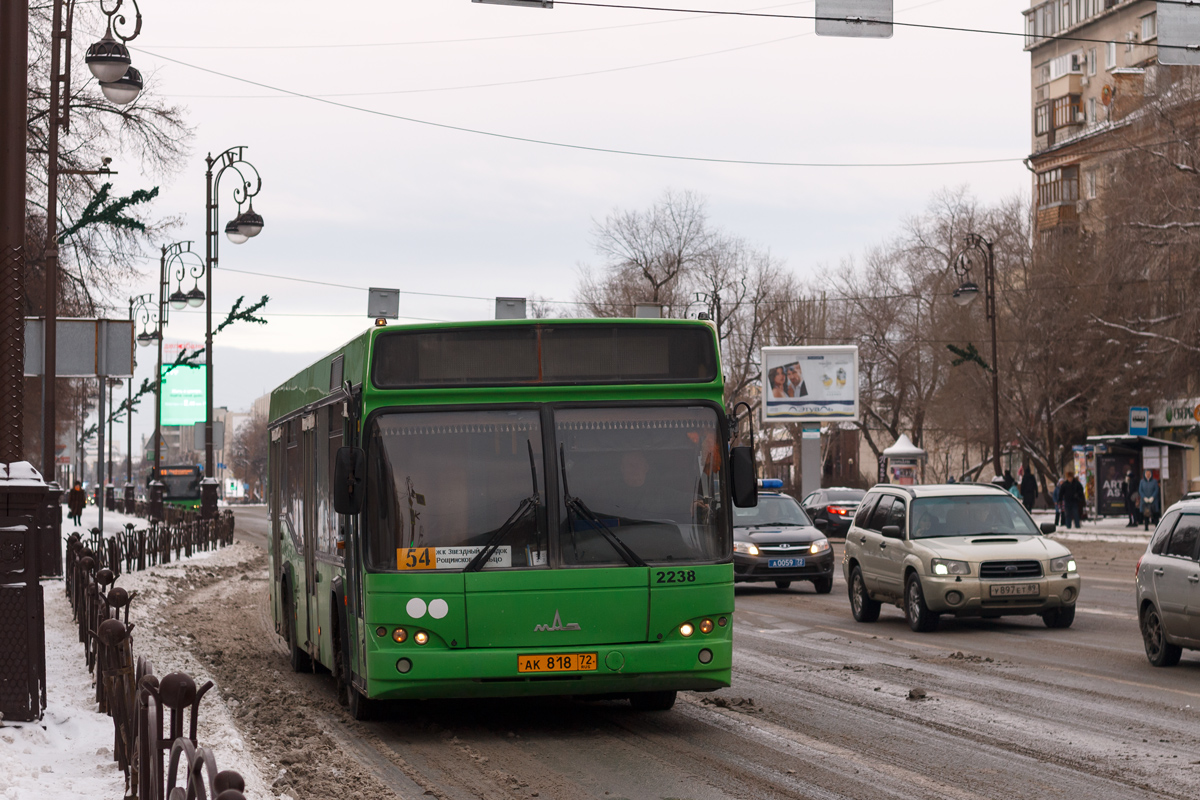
point(644, 486)
point(440, 484)
point(650, 476)
point(180, 483)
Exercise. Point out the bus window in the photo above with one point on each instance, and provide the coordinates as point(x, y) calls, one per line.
point(650, 475)
point(440, 484)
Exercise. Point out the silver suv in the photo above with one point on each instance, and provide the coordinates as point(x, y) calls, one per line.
point(1168, 586)
point(970, 550)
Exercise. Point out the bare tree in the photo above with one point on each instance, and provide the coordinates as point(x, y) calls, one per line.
point(650, 256)
point(248, 459)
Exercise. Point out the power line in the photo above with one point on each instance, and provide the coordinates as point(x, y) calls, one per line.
point(586, 148)
point(540, 79)
point(450, 41)
point(919, 25)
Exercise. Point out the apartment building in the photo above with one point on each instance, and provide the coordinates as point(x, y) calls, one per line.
point(1085, 95)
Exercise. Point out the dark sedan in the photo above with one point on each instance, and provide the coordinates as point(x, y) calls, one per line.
point(834, 505)
point(776, 541)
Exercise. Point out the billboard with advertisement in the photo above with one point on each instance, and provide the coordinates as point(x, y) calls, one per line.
point(810, 384)
point(1179, 413)
point(183, 394)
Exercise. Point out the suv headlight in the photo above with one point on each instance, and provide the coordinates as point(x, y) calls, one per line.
point(819, 546)
point(746, 548)
point(946, 566)
point(1063, 564)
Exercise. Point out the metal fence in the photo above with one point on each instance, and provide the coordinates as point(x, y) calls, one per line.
point(148, 713)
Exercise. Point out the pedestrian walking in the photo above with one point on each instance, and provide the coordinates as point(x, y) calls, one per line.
point(76, 500)
point(1009, 480)
point(1148, 492)
point(1058, 498)
point(1029, 489)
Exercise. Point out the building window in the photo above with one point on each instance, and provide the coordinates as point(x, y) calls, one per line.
point(1067, 111)
point(1069, 64)
point(1041, 120)
point(1058, 186)
point(1150, 27)
point(1091, 111)
point(1091, 59)
point(1089, 184)
point(1110, 55)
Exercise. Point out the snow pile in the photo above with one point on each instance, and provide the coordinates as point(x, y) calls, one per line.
point(69, 753)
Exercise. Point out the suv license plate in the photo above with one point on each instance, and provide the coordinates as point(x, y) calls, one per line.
point(785, 562)
point(559, 662)
point(1016, 590)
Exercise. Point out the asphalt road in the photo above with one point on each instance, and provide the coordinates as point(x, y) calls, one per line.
point(820, 707)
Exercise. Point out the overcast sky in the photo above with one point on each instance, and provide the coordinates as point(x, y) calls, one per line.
point(356, 198)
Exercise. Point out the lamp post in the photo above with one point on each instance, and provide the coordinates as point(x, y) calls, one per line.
point(246, 225)
point(109, 62)
point(173, 270)
point(966, 293)
point(144, 311)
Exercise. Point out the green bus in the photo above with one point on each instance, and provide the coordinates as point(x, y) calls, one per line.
point(508, 508)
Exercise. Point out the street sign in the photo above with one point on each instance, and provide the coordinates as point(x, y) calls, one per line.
point(77, 354)
point(855, 18)
point(1178, 34)
point(383, 303)
point(218, 435)
point(1139, 421)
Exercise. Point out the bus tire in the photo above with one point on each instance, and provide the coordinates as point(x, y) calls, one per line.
point(652, 701)
point(299, 659)
point(362, 708)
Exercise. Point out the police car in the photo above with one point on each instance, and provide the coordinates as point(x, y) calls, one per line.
point(776, 541)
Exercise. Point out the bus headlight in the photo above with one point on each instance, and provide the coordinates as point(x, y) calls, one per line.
point(421, 637)
point(686, 629)
point(706, 626)
point(399, 635)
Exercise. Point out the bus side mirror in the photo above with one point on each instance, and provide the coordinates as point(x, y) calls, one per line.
point(349, 480)
point(745, 486)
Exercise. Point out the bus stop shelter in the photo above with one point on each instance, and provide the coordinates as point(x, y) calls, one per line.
point(1118, 454)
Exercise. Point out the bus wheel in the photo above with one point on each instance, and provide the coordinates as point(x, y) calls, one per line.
point(362, 708)
point(300, 660)
point(652, 701)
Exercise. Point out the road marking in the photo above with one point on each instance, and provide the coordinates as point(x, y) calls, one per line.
point(1103, 613)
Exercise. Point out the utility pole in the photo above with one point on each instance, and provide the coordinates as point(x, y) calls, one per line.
point(14, 48)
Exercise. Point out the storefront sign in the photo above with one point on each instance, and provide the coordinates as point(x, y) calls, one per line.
point(1176, 413)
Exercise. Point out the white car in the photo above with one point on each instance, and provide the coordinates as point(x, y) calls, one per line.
point(970, 550)
point(1168, 585)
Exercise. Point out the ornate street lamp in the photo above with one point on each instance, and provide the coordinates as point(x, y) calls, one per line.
point(143, 312)
point(109, 59)
point(246, 225)
point(177, 264)
point(966, 293)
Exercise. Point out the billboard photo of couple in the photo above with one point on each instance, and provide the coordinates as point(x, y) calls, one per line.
point(810, 383)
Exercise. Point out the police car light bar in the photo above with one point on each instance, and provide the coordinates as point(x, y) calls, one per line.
point(770, 483)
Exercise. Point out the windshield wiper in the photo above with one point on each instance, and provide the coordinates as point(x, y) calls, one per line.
point(527, 504)
point(587, 515)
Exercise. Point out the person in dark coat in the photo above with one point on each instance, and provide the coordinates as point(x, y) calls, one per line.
point(1073, 497)
point(1059, 496)
point(1129, 493)
point(1009, 480)
point(1029, 489)
point(76, 500)
point(1150, 496)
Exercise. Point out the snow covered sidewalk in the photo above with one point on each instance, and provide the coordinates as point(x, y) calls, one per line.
point(69, 753)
